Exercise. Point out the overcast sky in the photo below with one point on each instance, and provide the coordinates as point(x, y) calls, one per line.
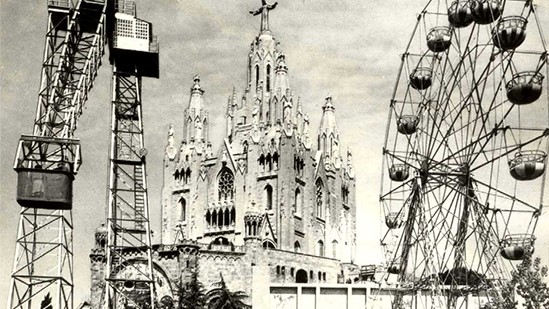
point(349, 49)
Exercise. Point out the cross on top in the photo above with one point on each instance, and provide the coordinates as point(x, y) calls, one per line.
point(264, 11)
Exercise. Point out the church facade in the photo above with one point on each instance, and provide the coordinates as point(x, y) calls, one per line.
point(274, 203)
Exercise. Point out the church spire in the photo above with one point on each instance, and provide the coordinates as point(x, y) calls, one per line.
point(195, 129)
point(264, 11)
point(328, 135)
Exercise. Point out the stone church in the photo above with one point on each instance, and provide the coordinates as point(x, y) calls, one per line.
point(274, 203)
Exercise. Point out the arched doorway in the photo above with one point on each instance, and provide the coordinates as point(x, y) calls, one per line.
point(301, 276)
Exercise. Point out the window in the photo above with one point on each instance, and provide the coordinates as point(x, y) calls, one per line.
point(345, 194)
point(209, 218)
point(334, 249)
point(220, 218)
point(298, 165)
point(141, 29)
point(297, 246)
point(297, 202)
point(267, 244)
point(319, 199)
point(183, 204)
point(269, 162)
point(268, 197)
point(275, 110)
point(320, 248)
point(226, 217)
point(226, 185)
point(275, 160)
point(256, 76)
point(318, 142)
point(268, 77)
point(187, 175)
point(262, 162)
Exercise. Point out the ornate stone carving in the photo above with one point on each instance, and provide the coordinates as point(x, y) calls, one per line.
point(202, 171)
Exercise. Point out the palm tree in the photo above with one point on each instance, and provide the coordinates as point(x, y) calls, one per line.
point(46, 302)
point(221, 298)
point(192, 295)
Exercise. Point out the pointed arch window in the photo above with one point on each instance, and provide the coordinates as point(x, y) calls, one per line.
point(269, 162)
point(297, 246)
point(319, 199)
point(187, 175)
point(233, 215)
point(257, 76)
point(275, 110)
point(320, 248)
point(208, 218)
point(318, 142)
point(267, 244)
point(226, 217)
point(226, 185)
point(214, 218)
point(183, 205)
point(262, 162)
point(268, 197)
point(297, 202)
point(220, 218)
point(334, 249)
point(275, 161)
point(268, 77)
point(205, 130)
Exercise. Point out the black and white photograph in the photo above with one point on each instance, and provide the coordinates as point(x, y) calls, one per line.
point(300, 154)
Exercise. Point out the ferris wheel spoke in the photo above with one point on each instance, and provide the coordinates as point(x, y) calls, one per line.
point(510, 149)
point(527, 206)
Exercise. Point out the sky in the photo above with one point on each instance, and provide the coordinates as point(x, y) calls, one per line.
point(349, 49)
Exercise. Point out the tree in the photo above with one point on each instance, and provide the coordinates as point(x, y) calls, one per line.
point(528, 280)
point(46, 302)
point(221, 298)
point(192, 294)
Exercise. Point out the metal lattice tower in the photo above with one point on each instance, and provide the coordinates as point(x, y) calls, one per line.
point(129, 274)
point(47, 160)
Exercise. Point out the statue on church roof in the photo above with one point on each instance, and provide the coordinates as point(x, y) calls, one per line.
point(264, 11)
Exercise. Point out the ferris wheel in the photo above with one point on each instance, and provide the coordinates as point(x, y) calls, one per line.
point(464, 173)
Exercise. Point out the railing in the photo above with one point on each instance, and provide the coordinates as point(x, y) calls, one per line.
point(59, 3)
point(125, 7)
